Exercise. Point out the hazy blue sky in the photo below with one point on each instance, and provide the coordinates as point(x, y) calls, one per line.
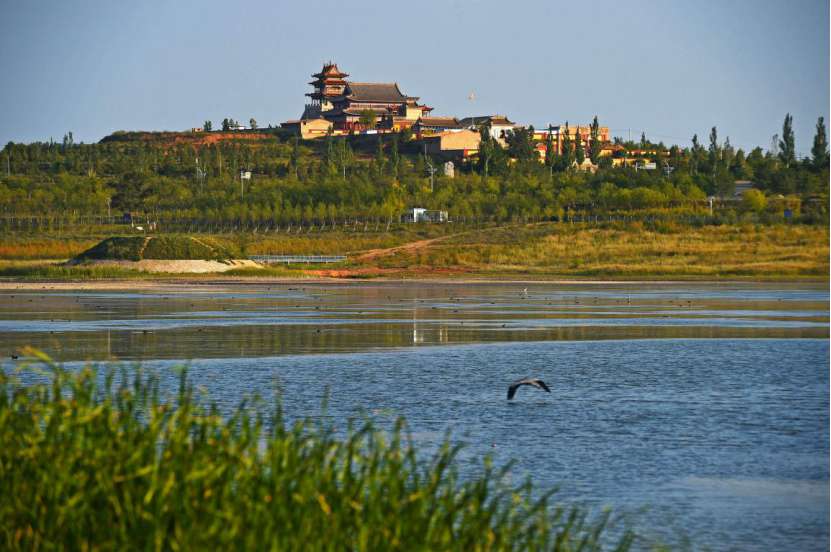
point(670, 68)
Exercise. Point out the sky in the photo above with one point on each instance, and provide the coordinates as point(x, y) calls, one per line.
point(670, 69)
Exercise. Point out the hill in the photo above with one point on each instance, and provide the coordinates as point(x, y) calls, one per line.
point(189, 138)
point(169, 254)
point(137, 248)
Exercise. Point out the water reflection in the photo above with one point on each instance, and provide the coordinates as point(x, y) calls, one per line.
point(660, 401)
point(278, 320)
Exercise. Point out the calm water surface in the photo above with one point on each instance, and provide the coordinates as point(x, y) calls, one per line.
point(698, 411)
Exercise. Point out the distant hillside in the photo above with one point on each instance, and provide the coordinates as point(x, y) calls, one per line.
point(194, 138)
point(137, 248)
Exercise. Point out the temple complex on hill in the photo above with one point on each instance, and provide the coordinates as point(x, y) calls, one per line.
point(339, 106)
point(343, 102)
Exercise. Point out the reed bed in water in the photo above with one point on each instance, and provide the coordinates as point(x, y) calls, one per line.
point(92, 462)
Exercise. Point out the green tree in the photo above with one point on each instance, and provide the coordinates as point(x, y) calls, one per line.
point(486, 149)
point(579, 152)
point(395, 158)
point(226, 124)
point(521, 144)
point(819, 151)
point(696, 155)
point(567, 155)
point(344, 156)
point(330, 162)
point(727, 153)
point(380, 158)
point(367, 118)
point(739, 167)
point(754, 201)
point(207, 126)
point(714, 152)
point(787, 147)
point(550, 151)
point(252, 122)
point(594, 144)
point(294, 156)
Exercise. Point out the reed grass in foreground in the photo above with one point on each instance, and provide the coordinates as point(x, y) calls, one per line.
point(86, 465)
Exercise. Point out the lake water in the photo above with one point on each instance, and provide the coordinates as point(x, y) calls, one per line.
point(696, 411)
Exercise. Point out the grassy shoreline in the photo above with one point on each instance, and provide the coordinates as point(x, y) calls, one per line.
point(516, 252)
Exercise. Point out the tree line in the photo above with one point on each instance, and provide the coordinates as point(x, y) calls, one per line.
point(339, 178)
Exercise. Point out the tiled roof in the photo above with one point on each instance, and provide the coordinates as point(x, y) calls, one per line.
point(443, 122)
point(330, 69)
point(360, 110)
point(380, 92)
point(501, 120)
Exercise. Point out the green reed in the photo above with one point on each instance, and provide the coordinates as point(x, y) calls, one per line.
point(108, 462)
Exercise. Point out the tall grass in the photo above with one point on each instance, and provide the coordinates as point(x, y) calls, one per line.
point(90, 462)
point(48, 271)
point(43, 247)
point(660, 249)
point(635, 250)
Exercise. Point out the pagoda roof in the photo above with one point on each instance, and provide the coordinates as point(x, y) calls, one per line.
point(378, 92)
point(330, 70)
point(328, 81)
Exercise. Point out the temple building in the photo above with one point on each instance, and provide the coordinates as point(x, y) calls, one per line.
point(583, 133)
point(343, 102)
point(499, 125)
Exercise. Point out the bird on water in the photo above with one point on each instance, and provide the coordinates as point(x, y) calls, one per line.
point(534, 382)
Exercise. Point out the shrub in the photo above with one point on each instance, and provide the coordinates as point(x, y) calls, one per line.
point(754, 201)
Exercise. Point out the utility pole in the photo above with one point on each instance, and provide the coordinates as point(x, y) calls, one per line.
point(244, 175)
point(430, 168)
point(200, 176)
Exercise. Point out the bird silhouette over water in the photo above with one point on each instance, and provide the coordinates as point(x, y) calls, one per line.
point(534, 382)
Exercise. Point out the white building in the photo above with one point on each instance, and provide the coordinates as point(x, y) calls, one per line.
point(499, 124)
point(420, 214)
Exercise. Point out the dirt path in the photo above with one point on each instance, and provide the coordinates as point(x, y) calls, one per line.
point(411, 247)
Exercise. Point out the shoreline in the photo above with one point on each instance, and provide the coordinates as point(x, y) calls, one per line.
point(195, 284)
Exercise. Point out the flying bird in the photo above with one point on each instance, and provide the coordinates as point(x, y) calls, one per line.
point(535, 382)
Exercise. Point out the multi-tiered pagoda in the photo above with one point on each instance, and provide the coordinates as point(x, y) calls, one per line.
point(343, 102)
point(329, 83)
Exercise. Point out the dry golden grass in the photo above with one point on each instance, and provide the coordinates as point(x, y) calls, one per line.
point(23, 247)
point(765, 252)
point(768, 252)
point(44, 248)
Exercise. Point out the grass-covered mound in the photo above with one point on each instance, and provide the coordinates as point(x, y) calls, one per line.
point(137, 248)
point(87, 465)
